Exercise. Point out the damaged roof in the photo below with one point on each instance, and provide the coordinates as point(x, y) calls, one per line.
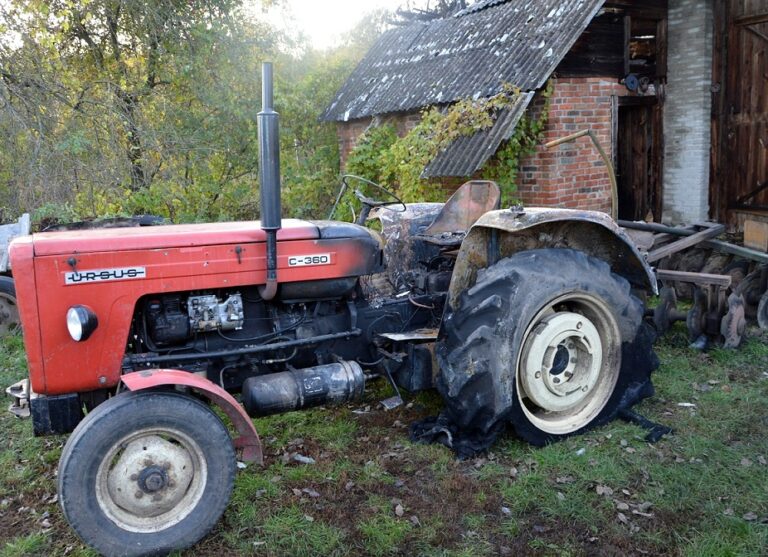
point(470, 55)
point(466, 155)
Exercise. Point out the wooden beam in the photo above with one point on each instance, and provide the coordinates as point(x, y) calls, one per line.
point(751, 19)
point(685, 243)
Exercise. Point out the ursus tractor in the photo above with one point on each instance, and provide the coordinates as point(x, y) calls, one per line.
point(529, 318)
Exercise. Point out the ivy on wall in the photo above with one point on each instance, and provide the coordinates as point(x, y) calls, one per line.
point(399, 162)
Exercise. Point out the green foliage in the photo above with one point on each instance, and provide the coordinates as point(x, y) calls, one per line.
point(400, 162)
point(504, 166)
point(371, 151)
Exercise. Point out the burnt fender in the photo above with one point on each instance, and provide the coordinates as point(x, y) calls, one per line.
point(248, 441)
point(500, 234)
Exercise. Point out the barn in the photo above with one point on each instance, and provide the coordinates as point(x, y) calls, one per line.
point(675, 90)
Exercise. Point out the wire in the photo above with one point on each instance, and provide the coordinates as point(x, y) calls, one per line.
point(269, 336)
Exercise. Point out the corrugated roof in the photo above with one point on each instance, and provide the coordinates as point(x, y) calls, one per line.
point(471, 55)
point(466, 155)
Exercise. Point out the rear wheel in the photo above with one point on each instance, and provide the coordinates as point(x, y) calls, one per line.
point(9, 312)
point(548, 340)
point(146, 473)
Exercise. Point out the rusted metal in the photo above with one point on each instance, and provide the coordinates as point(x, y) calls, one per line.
point(734, 322)
point(606, 161)
point(591, 232)
point(685, 243)
point(470, 202)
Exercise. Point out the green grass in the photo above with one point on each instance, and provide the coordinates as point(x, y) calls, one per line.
point(694, 493)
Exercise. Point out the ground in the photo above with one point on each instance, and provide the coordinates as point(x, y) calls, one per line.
point(701, 491)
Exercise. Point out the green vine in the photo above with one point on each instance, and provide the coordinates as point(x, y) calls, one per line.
point(399, 162)
point(503, 168)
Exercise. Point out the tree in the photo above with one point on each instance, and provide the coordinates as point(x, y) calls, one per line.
point(427, 10)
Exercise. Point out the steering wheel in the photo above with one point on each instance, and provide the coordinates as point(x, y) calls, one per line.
point(368, 202)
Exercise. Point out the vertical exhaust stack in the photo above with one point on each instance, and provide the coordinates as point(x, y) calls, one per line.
point(269, 178)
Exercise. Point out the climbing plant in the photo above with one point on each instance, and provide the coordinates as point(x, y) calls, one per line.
point(400, 162)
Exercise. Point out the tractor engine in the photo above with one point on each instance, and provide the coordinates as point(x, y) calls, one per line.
point(244, 343)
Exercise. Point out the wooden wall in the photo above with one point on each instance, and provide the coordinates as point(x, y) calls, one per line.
point(739, 174)
point(628, 36)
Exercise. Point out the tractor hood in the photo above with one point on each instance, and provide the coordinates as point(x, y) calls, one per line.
point(170, 236)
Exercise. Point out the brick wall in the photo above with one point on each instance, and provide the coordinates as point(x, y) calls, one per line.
point(687, 112)
point(573, 175)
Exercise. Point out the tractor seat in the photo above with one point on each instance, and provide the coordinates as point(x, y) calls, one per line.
point(470, 202)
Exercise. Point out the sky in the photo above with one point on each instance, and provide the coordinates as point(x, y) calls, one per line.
point(325, 21)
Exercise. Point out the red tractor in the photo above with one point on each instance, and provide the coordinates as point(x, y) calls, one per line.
point(521, 317)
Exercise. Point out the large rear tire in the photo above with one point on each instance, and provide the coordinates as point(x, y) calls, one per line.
point(146, 473)
point(9, 311)
point(547, 340)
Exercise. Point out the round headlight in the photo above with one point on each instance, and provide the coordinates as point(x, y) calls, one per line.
point(81, 322)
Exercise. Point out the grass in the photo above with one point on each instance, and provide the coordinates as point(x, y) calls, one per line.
point(702, 491)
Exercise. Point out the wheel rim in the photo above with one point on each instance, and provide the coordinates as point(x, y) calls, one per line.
point(9, 315)
point(151, 480)
point(569, 363)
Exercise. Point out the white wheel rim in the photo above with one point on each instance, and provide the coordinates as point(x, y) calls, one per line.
point(568, 364)
point(151, 480)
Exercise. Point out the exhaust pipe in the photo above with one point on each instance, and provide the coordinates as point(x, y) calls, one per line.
point(269, 178)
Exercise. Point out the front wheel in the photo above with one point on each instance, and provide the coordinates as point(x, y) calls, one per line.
point(146, 473)
point(550, 341)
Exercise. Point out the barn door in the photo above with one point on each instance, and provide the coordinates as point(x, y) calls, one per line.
point(741, 148)
point(638, 158)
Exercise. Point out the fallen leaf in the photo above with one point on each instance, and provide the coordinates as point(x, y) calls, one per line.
point(604, 490)
point(513, 472)
point(746, 462)
point(761, 460)
point(348, 486)
point(415, 520)
point(399, 510)
point(728, 512)
point(506, 511)
point(622, 518)
point(308, 518)
point(621, 506)
point(561, 496)
point(311, 492)
point(565, 479)
point(296, 492)
point(749, 517)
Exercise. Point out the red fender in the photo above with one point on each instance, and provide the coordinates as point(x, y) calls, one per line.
point(248, 442)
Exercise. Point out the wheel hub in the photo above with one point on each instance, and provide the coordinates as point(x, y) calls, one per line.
point(561, 363)
point(150, 477)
